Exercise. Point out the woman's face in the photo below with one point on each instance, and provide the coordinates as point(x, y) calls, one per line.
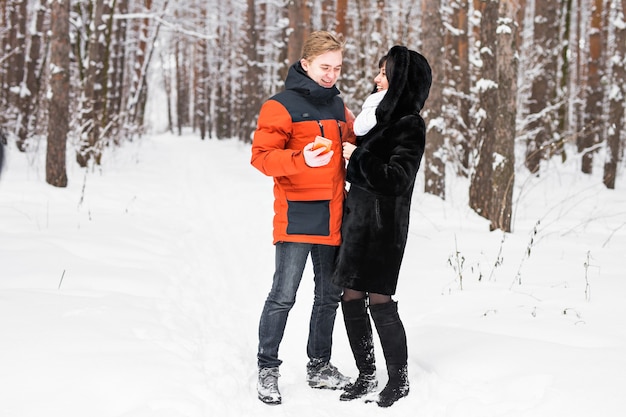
point(381, 79)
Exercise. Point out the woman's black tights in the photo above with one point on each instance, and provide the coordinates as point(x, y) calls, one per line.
point(374, 298)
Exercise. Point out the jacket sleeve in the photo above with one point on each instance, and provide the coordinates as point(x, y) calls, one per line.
point(395, 176)
point(350, 135)
point(270, 154)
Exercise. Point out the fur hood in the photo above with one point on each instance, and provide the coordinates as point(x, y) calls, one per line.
point(410, 77)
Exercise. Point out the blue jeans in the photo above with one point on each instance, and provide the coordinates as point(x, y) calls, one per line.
point(290, 262)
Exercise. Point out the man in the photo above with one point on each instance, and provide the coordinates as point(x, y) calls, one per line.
point(309, 190)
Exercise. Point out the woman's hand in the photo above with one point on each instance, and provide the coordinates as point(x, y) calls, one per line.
point(348, 148)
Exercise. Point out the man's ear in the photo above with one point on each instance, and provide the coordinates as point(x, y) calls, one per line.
point(305, 64)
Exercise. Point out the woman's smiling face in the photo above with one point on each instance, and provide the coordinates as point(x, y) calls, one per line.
point(381, 79)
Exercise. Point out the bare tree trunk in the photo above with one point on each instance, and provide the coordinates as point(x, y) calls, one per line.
point(503, 176)
point(15, 49)
point(201, 81)
point(30, 96)
point(140, 66)
point(222, 118)
point(118, 62)
point(340, 17)
point(577, 78)
point(89, 147)
point(521, 12)
point(251, 103)
point(327, 15)
point(148, 35)
point(299, 26)
point(379, 22)
point(459, 80)
point(435, 166)
point(543, 90)
point(4, 63)
point(480, 193)
point(56, 174)
point(616, 121)
point(593, 125)
point(366, 19)
point(564, 92)
point(17, 57)
point(181, 80)
point(137, 93)
point(167, 86)
point(105, 46)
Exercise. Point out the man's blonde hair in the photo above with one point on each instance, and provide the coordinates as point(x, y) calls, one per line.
point(320, 42)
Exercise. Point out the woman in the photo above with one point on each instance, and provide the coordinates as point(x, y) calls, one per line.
point(381, 171)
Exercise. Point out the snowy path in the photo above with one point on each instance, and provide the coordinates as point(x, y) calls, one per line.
point(139, 296)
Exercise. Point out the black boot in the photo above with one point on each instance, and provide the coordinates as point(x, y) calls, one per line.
point(359, 330)
point(393, 340)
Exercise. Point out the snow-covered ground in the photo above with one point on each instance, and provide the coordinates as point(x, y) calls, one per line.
point(136, 292)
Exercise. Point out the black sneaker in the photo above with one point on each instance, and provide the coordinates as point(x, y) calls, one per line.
point(321, 374)
point(267, 386)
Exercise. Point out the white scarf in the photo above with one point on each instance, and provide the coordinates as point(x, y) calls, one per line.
point(366, 120)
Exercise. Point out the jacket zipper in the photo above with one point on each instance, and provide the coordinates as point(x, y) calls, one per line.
point(338, 127)
point(321, 128)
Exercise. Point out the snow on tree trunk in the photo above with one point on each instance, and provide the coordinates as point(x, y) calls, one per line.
point(542, 105)
point(89, 148)
point(480, 192)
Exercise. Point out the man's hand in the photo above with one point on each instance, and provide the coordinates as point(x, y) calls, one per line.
point(318, 157)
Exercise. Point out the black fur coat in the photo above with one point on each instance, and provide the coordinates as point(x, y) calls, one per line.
point(381, 173)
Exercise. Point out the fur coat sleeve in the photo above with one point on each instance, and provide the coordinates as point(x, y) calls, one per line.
point(388, 160)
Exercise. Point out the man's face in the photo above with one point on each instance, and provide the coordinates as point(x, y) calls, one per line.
point(324, 69)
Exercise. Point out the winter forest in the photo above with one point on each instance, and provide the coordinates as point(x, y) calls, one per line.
point(515, 82)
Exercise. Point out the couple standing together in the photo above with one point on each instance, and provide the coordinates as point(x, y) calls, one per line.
point(356, 239)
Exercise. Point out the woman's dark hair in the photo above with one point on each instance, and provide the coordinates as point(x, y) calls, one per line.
point(387, 61)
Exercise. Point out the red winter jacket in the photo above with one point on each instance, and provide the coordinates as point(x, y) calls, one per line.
point(308, 202)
